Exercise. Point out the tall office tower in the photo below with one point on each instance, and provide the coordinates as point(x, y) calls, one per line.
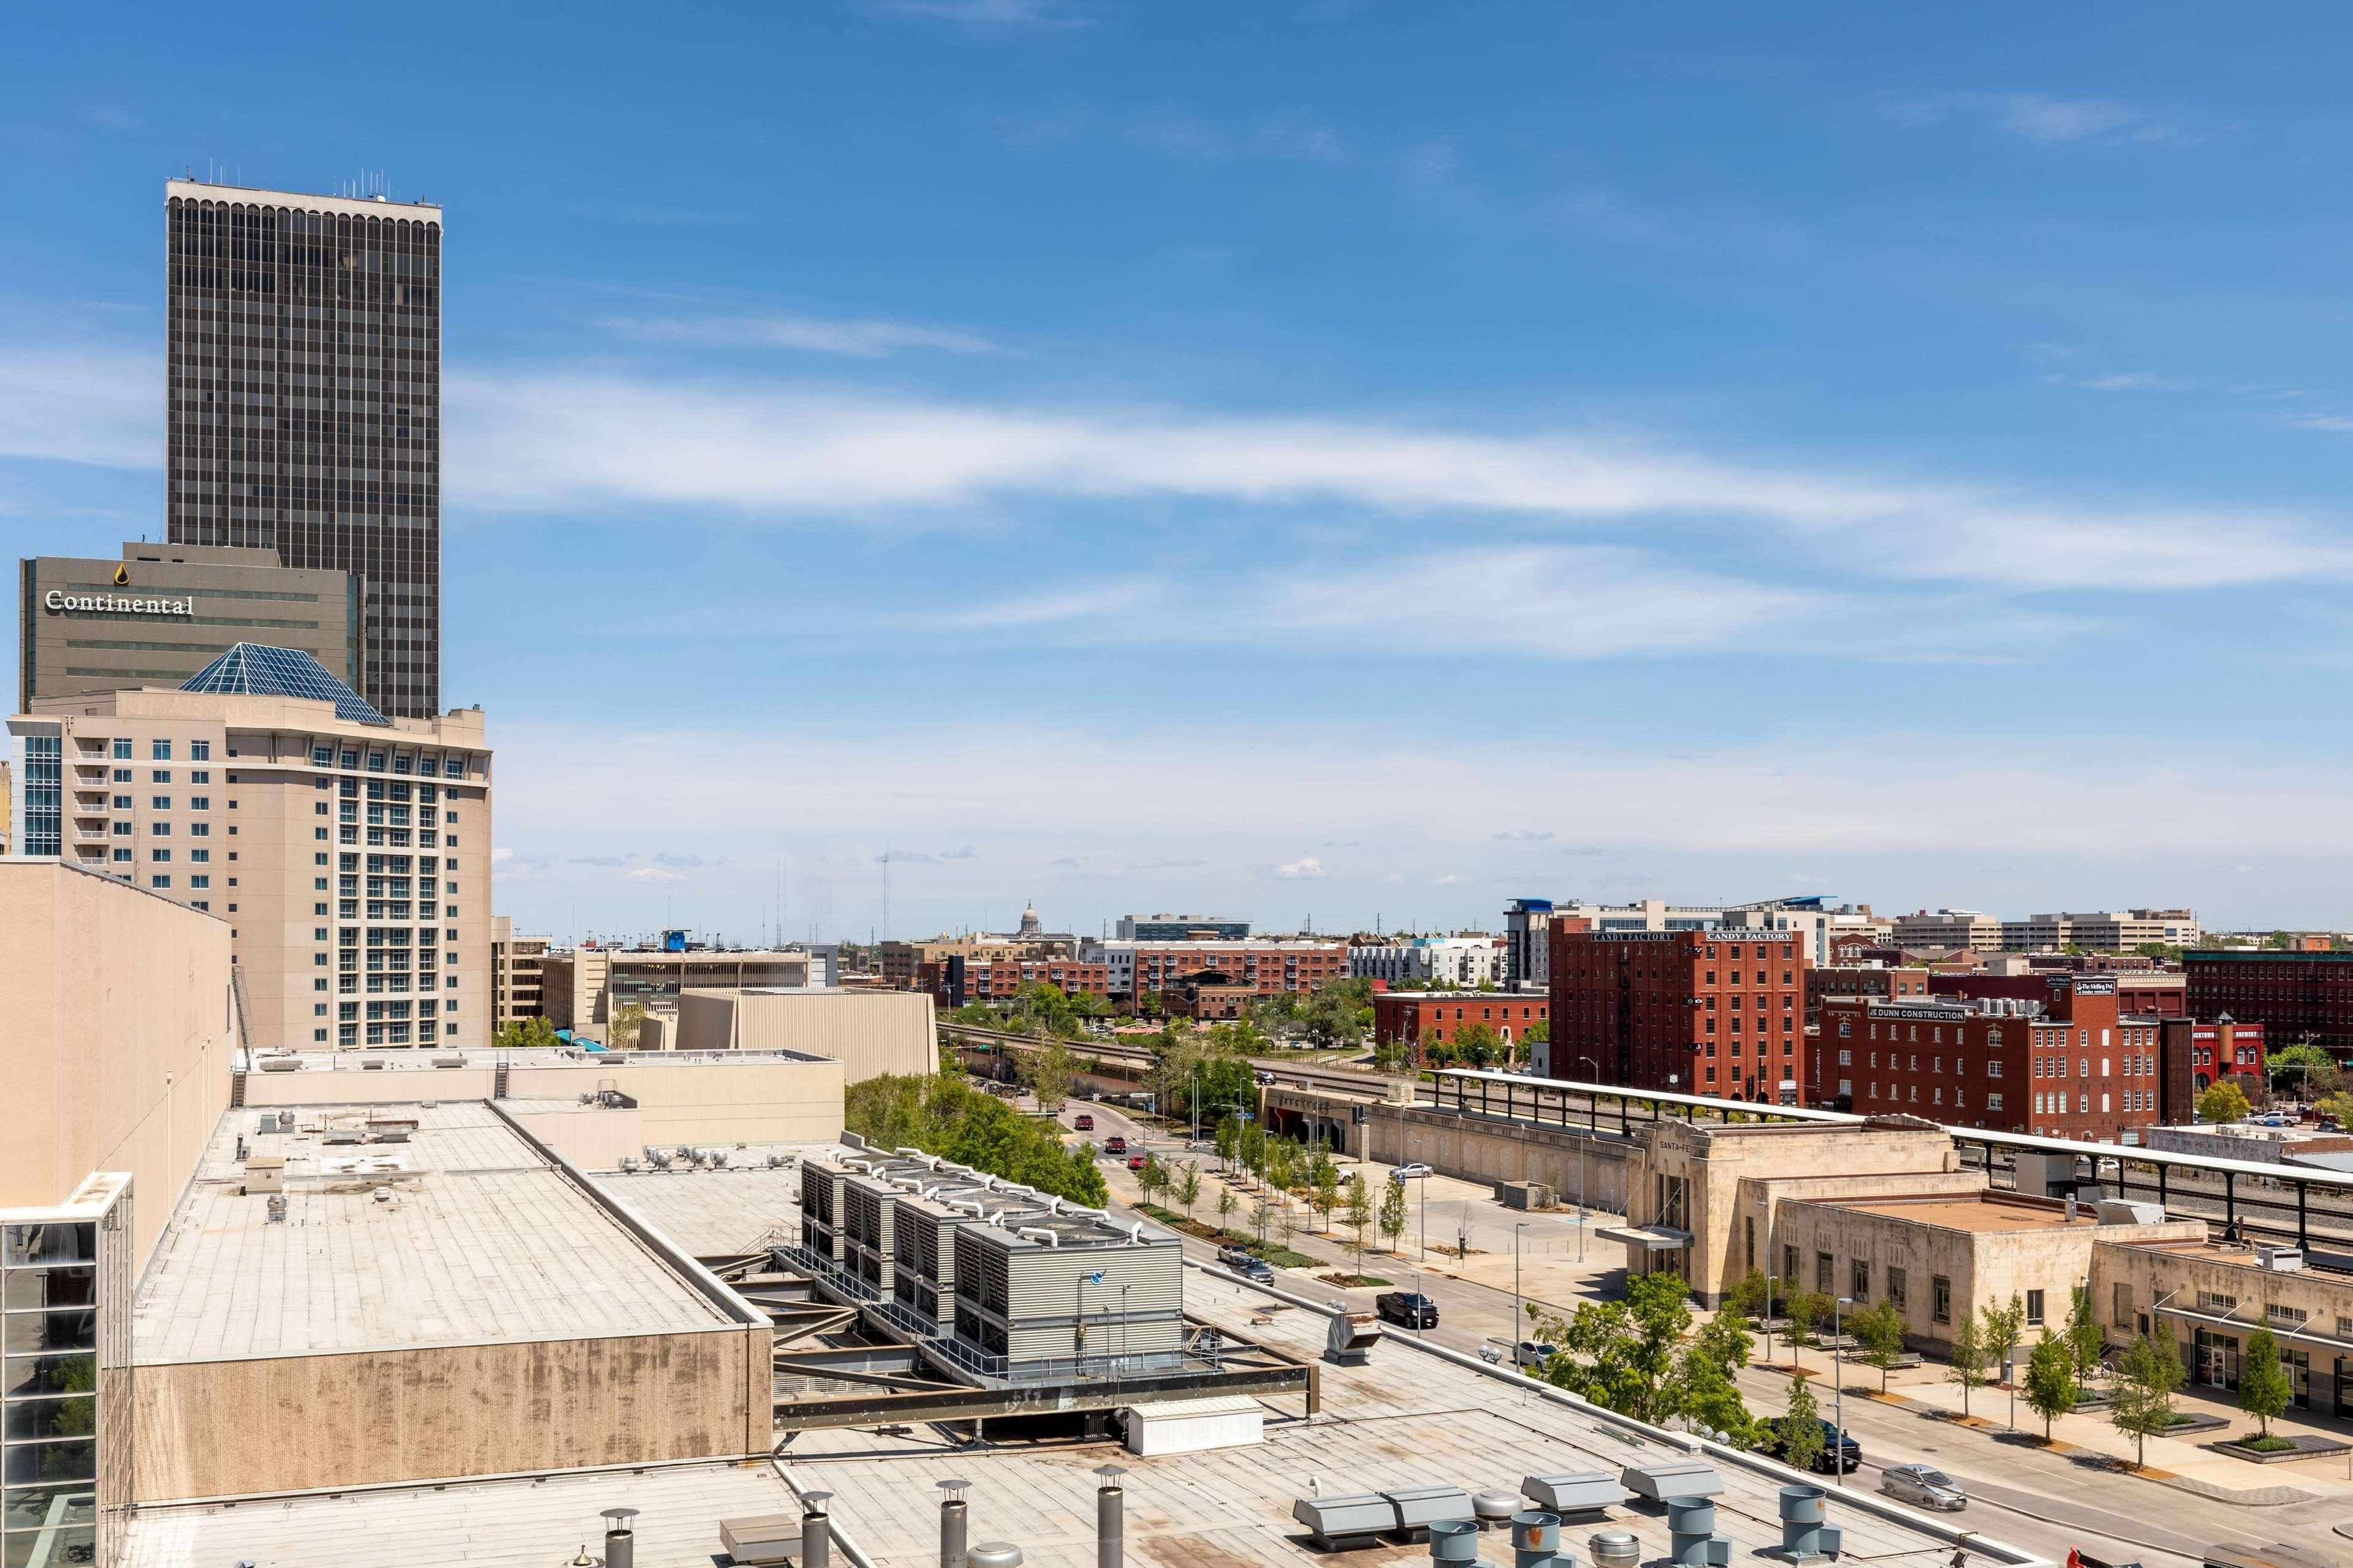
point(304, 409)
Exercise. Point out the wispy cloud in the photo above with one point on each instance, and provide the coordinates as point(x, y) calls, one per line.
point(809, 335)
point(561, 442)
point(2124, 381)
point(655, 874)
point(1183, 133)
point(1522, 836)
point(1450, 880)
point(685, 862)
point(1306, 869)
point(1006, 15)
point(1164, 863)
point(2039, 117)
point(95, 406)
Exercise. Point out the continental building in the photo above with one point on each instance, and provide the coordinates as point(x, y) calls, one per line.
point(350, 853)
point(517, 972)
point(304, 366)
point(1717, 1011)
point(165, 610)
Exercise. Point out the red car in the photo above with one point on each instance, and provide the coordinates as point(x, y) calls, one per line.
point(1137, 1161)
point(1084, 1123)
point(1114, 1145)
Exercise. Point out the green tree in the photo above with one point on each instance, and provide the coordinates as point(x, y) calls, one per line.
point(1880, 1327)
point(2051, 1381)
point(1048, 1070)
point(2145, 1380)
point(1749, 1297)
point(1360, 1212)
point(1153, 1178)
point(1706, 1385)
point(1999, 1331)
point(621, 1032)
point(1801, 1310)
point(1392, 1056)
point(2226, 1101)
point(1188, 1187)
point(1226, 1206)
point(2263, 1387)
point(1325, 1188)
point(1968, 1357)
point(1802, 1440)
point(527, 1034)
point(2087, 1342)
point(1147, 1004)
point(1621, 1354)
point(1478, 1044)
point(949, 1117)
point(1393, 1212)
point(1229, 1140)
point(1537, 1034)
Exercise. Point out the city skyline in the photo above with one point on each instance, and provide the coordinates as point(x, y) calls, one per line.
point(1409, 468)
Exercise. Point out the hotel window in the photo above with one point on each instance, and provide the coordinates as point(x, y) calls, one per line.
point(161, 856)
point(122, 854)
point(200, 881)
point(200, 802)
point(122, 803)
point(162, 750)
point(200, 751)
point(123, 750)
point(159, 881)
point(159, 803)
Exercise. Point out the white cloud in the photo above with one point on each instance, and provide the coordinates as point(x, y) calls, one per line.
point(2038, 117)
point(557, 442)
point(987, 13)
point(100, 406)
point(655, 874)
point(2123, 381)
point(501, 856)
point(1450, 880)
point(1522, 836)
point(1306, 869)
point(858, 340)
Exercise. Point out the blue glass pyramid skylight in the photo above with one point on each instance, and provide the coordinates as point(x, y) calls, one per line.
point(256, 670)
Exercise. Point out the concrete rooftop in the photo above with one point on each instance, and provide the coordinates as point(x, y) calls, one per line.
point(1981, 1215)
point(481, 1240)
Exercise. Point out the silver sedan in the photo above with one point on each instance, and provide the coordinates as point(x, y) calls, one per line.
point(1924, 1486)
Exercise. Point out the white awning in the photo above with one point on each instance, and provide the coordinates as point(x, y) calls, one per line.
point(1647, 1237)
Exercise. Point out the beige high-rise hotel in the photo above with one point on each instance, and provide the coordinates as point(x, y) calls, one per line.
point(349, 853)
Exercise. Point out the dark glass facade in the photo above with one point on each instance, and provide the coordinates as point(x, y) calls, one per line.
point(304, 410)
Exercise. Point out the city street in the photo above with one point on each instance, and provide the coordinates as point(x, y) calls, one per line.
point(2019, 1492)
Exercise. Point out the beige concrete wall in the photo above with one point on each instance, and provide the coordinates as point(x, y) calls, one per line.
point(280, 1424)
point(357, 1087)
point(117, 1024)
point(1986, 1267)
point(870, 1032)
point(2151, 1274)
point(592, 1137)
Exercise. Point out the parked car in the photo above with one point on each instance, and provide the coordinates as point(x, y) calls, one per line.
point(1411, 1170)
point(1247, 1264)
point(1836, 1456)
point(1409, 1308)
point(1114, 1145)
point(1137, 1161)
point(1083, 1123)
point(1924, 1486)
point(1532, 1355)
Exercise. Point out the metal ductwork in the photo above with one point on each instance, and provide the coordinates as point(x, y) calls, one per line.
point(1033, 1233)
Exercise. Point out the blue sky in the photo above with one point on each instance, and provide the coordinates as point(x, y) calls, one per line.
point(1339, 461)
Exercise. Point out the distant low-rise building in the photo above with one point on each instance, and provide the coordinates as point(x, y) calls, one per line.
point(1424, 1018)
point(1273, 965)
point(582, 988)
point(1879, 981)
point(2295, 997)
point(1181, 928)
point(516, 973)
point(1453, 961)
point(1971, 929)
point(956, 980)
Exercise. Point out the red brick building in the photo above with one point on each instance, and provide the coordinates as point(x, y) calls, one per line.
point(2164, 994)
point(2295, 997)
point(1421, 1018)
point(1208, 996)
point(2069, 1067)
point(955, 980)
point(1879, 981)
point(1716, 1012)
point(2228, 1048)
point(1270, 965)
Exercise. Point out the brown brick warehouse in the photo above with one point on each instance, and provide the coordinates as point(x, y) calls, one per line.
point(1716, 1012)
point(303, 408)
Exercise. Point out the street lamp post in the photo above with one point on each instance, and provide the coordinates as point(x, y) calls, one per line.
point(1516, 1285)
point(1838, 1379)
point(1769, 1315)
point(1583, 1152)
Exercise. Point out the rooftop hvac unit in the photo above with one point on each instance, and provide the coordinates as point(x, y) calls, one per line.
point(281, 1064)
point(1351, 1337)
point(450, 1061)
point(2281, 1259)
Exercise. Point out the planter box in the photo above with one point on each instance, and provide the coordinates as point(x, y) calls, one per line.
point(2301, 1447)
point(2197, 1422)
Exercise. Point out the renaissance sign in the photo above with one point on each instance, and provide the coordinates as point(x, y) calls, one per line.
point(58, 603)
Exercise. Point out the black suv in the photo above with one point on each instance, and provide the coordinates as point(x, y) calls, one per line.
point(1837, 1453)
point(1410, 1308)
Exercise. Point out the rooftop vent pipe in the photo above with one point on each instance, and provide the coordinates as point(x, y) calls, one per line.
point(1035, 1234)
point(621, 1541)
point(816, 1531)
point(951, 1522)
point(1111, 1519)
